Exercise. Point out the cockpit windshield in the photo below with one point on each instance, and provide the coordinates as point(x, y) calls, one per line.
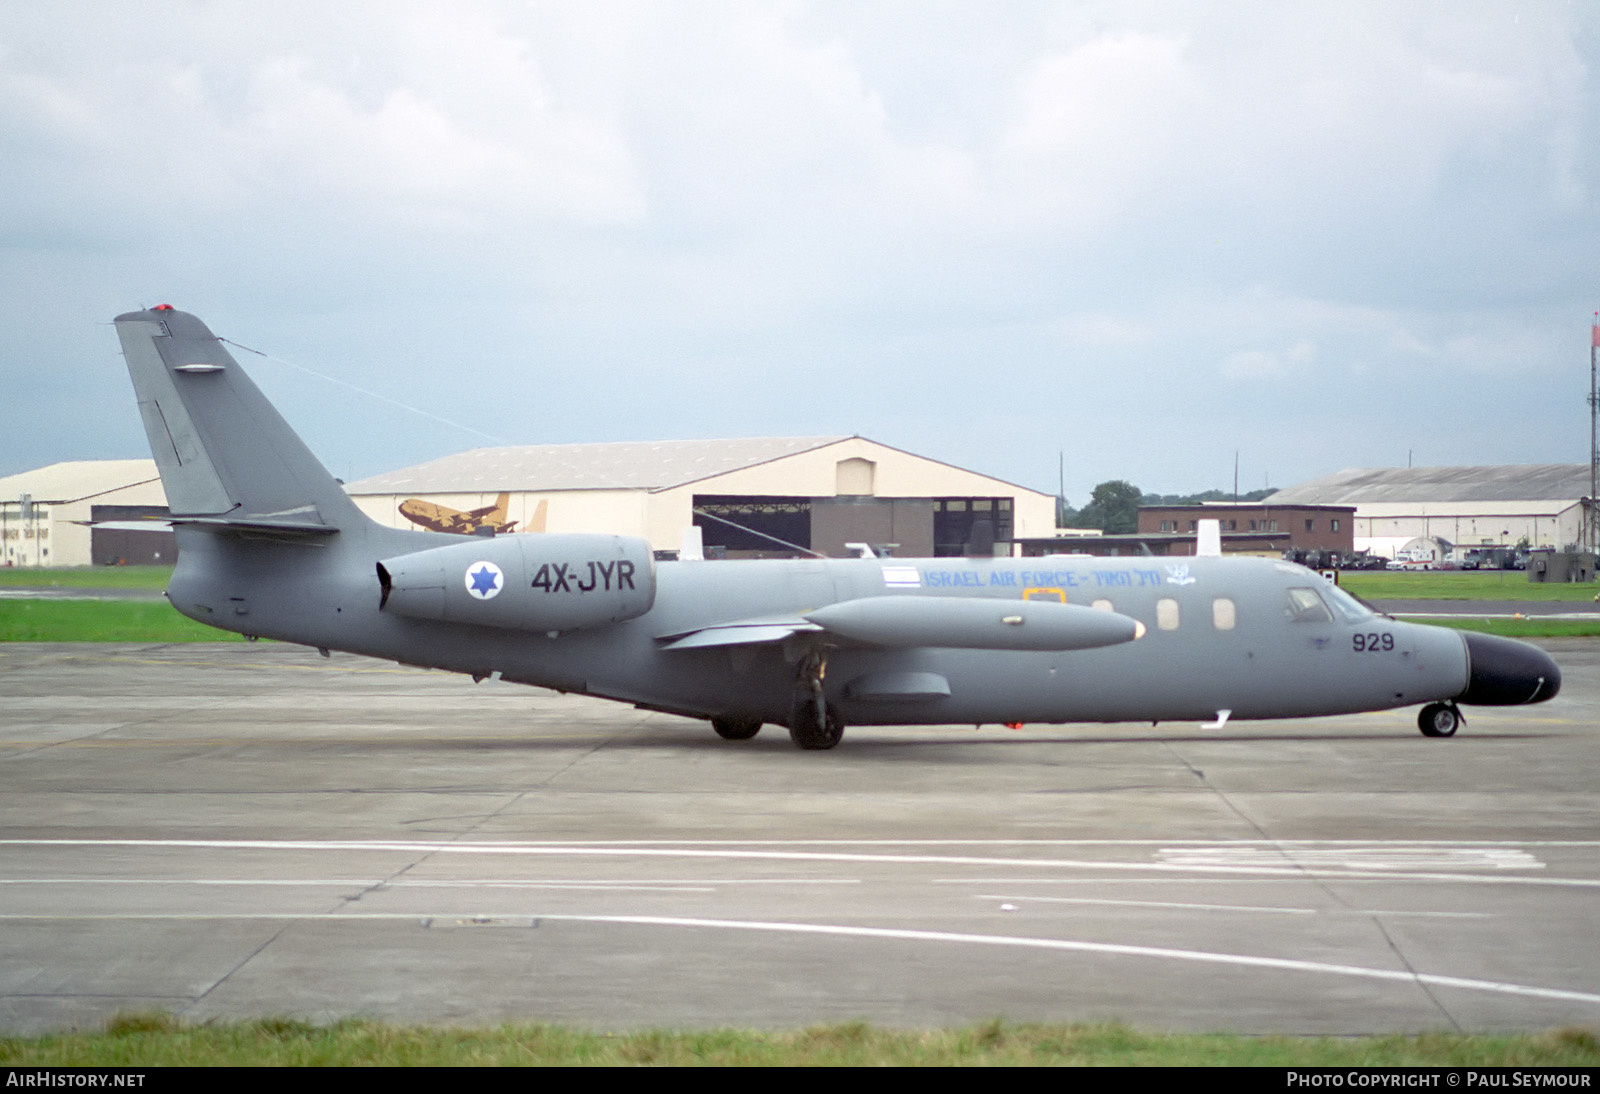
point(1351, 609)
point(1303, 605)
point(1311, 604)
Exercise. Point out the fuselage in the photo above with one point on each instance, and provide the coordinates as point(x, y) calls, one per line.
point(271, 545)
point(1256, 638)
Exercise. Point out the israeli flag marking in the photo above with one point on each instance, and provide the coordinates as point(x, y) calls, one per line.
point(484, 580)
point(902, 577)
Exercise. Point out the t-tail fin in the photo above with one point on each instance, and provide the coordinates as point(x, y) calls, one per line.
point(227, 458)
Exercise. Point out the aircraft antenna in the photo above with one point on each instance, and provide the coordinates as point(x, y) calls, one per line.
point(1591, 522)
point(364, 391)
point(554, 456)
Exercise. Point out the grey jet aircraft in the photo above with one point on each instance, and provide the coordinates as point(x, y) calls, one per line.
point(271, 545)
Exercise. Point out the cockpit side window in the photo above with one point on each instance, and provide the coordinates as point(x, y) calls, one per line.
point(1351, 609)
point(1303, 605)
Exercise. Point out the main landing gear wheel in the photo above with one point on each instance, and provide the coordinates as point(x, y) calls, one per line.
point(812, 721)
point(1439, 720)
point(735, 729)
point(810, 732)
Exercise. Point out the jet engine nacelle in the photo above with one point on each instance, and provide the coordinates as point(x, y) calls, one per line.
point(532, 582)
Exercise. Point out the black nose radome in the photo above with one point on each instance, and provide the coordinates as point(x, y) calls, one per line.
point(1506, 672)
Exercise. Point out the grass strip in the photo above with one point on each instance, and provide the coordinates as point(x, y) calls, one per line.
point(26, 620)
point(1462, 585)
point(1531, 627)
point(85, 577)
point(158, 1040)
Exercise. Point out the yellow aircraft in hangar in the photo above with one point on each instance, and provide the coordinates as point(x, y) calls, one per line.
point(442, 518)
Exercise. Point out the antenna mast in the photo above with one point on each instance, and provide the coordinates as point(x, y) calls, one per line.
point(1591, 516)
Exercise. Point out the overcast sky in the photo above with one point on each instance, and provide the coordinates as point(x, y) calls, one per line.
point(1145, 234)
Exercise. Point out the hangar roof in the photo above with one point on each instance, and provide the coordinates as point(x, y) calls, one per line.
point(1511, 482)
point(624, 465)
point(76, 480)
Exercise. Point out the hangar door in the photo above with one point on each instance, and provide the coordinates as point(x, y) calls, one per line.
point(751, 526)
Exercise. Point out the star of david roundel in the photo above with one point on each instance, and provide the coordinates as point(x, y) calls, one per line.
point(484, 580)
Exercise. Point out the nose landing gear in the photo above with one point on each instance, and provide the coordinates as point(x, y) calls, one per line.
point(1440, 720)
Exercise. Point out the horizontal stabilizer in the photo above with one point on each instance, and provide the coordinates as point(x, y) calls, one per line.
point(127, 525)
point(266, 525)
point(263, 525)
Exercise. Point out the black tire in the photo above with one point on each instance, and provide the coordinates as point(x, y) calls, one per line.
point(735, 729)
point(806, 732)
point(1439, 720)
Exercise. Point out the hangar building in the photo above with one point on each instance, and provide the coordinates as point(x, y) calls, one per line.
point(40, 511)
point(1468, 506)
point(817, 493)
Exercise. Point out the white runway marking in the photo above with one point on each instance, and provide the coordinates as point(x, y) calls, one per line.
point(1148, 904)
point(1157, 843)
point(1397, 857)
point(1208, 859)
point(896, 934)
point(1266, 909)
point(698, 884)
point(756, 851)
point(1286, 964)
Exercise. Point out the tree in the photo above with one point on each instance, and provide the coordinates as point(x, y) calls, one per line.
point(1205, 496)
point(1113, 507)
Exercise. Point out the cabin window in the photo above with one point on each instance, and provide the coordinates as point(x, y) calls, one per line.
point(1167, 614)
point(1223, 615)
point(1102, 606)
point(1305, 606)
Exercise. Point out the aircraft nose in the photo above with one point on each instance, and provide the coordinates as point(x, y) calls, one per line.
point(1506, 672)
